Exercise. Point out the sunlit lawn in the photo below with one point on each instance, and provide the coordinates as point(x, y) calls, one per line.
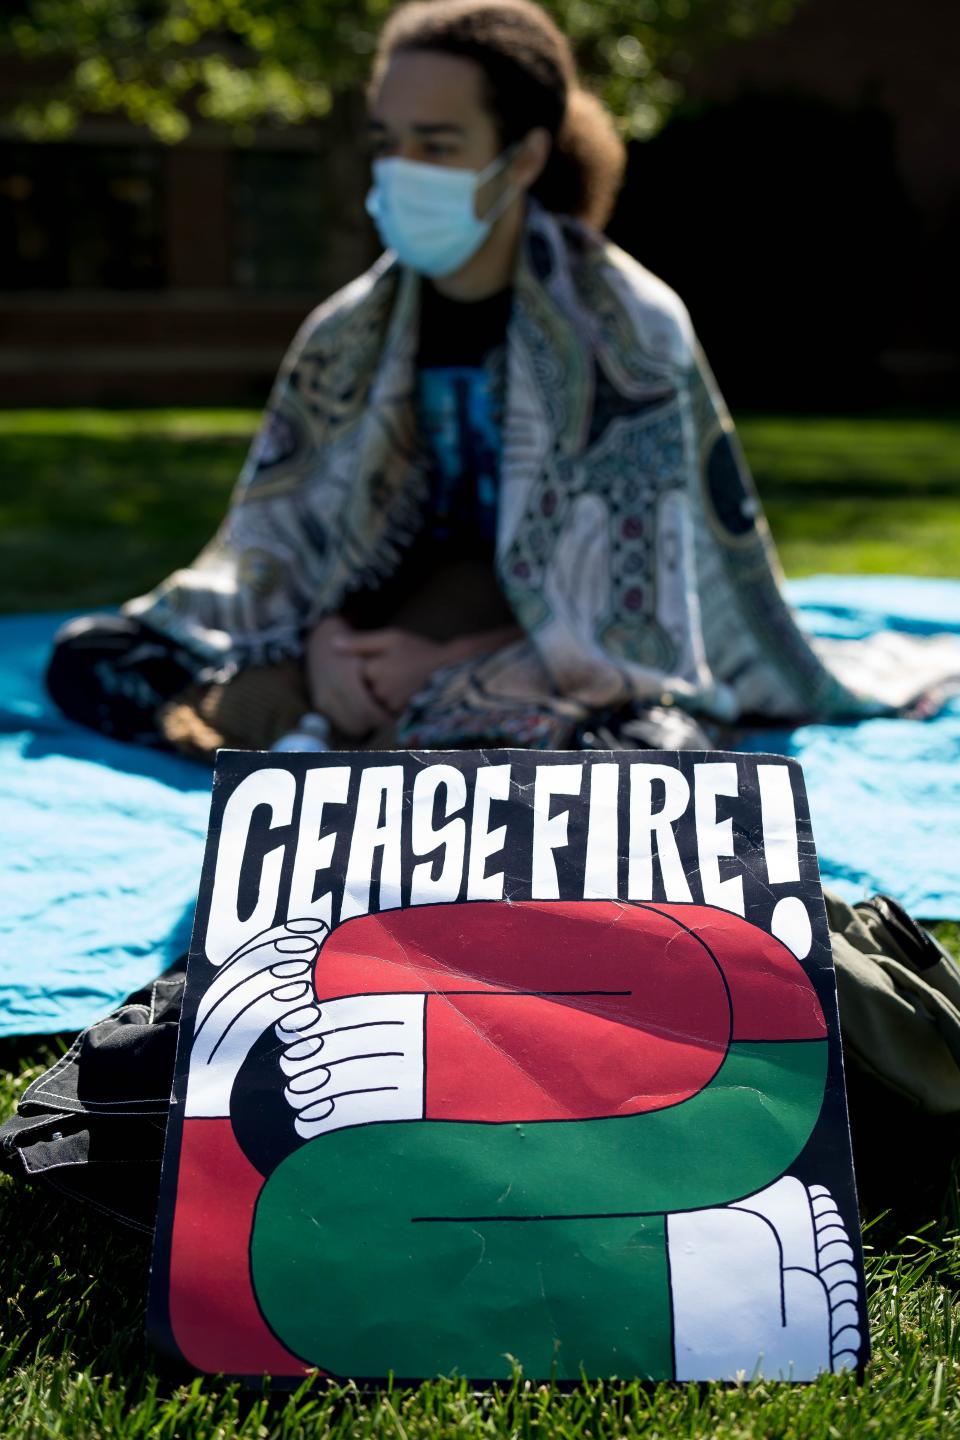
point(860, 496)
point(96, 506)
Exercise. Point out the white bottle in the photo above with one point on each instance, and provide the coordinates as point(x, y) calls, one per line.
point(311, 734)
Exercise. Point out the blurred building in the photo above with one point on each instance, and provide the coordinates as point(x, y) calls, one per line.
point(133, 272)
point(805, 202)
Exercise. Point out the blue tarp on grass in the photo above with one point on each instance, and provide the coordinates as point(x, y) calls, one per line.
point(102, 842)
point(884, 794)
point(102, 845)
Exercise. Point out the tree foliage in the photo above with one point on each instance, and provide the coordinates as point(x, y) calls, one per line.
point(165, 64)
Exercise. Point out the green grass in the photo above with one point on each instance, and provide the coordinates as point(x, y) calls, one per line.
point(72, 1362)
point(96, 506)
point(868, 496)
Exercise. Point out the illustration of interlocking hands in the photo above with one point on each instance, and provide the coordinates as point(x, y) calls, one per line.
point(771, 1276)
point(766, 1286)
point(350, 1061)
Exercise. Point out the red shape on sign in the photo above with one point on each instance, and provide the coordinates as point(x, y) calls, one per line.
point(771, 995)
point(219, 1327)
point(565, 1010)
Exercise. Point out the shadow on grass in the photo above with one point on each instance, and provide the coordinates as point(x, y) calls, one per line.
point(75, 1284)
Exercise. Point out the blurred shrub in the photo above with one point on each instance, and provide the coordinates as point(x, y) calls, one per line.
point(165, 63)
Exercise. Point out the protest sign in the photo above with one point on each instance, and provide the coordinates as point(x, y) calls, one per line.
point(509, 1055)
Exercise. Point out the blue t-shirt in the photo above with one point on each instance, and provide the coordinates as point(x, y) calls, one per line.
point(460, 393)
point(461, 385)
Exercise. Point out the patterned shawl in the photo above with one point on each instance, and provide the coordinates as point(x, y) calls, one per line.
point(631, 544)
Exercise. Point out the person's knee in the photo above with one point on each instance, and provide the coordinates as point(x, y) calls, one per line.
point(78, 647)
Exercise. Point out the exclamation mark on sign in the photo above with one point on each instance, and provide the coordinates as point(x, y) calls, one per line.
point(790, 922)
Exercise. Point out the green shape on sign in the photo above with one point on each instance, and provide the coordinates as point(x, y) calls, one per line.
point(425, 1247)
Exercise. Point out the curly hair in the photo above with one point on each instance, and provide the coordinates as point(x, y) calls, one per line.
point(531, 80)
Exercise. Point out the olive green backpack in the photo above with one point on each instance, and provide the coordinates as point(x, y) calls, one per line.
point(899, 997)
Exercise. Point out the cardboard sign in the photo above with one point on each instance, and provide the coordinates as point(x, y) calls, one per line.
point(509, 1054)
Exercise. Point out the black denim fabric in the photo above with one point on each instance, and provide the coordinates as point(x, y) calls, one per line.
point(93, 1125)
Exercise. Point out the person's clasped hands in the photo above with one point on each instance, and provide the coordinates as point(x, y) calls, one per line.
point(360, 680)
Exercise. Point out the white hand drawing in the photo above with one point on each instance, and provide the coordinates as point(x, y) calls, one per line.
point(351, 1061)
point(262, 983)
point(354, 1061)
point(765, 1287)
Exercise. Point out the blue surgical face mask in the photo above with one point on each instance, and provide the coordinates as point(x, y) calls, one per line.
point(425, 212)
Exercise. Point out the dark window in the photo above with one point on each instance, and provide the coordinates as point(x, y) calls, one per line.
point(279, 220)
point(81, 217)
